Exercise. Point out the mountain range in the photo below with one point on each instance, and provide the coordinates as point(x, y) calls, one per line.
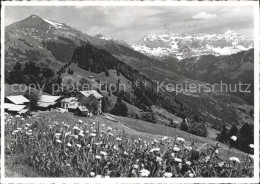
point(200, 58)
point(183, 46)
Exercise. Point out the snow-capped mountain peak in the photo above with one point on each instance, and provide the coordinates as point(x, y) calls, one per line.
point(188, 45)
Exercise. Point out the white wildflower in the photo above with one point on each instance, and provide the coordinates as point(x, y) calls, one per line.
point(175, 148)
point(98, 157)
point(76, 128)
point(58, 141)
point(155, 149)
point(119, 139)
point(178, 160)
point(234, 138)
point(164, 138)
point(92, 174)
point(191, 175)
point(103, 153)
point(188, 163)
point(115, 147)
point(76, 136)
point(159, 159)
point(144, 173)
point(81, 133)
point(234, 159)
point(111, 134)
point(188, 148)
point(135, 166)
point(180, 139)
point(93, 135)
point(251, 146)
point(67, 133)
point(58, 134)
point(167, 175)
point(155, 141)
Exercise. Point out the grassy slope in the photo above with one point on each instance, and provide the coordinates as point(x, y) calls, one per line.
point(17, 167)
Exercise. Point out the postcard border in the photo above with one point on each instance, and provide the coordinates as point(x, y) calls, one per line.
point(255, 179)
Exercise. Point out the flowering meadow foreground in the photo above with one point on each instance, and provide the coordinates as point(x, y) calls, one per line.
point(80, 149)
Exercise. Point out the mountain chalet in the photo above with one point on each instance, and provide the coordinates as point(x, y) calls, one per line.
point(20, 105)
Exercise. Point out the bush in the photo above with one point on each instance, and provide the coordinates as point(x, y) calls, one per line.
point(198, 128)
point(149, 117)
point(120, 108)
point(173, 124)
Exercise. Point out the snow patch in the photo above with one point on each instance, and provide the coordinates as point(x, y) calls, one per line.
point(104, 37)
point(55, 24)
point(188, 45)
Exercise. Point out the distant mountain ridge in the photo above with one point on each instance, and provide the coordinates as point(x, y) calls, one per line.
point(188, 45)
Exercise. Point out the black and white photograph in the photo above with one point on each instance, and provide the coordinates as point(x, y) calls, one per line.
point(140, 91)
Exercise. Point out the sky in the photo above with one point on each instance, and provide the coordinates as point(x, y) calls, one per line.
point(131, 24)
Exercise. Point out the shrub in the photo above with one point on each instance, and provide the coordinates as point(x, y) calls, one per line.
point(149, 117)
point(120, 108)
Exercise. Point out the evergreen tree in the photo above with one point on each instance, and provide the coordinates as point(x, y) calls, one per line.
point(33, 97)
point(223, 136)
point(246, 137)
point(17, 66)
point(233, 131)
point(90, 102)
point(70, 71)
point(106, 106)
point(184, 126)
point(47, 72)
point(106, 73)
point(120, 108)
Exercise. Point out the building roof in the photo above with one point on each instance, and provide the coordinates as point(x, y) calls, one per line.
point(8, 105)
point(16, 108)
point(69, 99)
point(45, 104)
point(83, 108)
point(18, 99)
point(23, 111)
point(49, 98)
point(91, 92)
point(73, 105)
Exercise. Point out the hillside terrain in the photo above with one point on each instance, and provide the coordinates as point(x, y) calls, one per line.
point(62, 48)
